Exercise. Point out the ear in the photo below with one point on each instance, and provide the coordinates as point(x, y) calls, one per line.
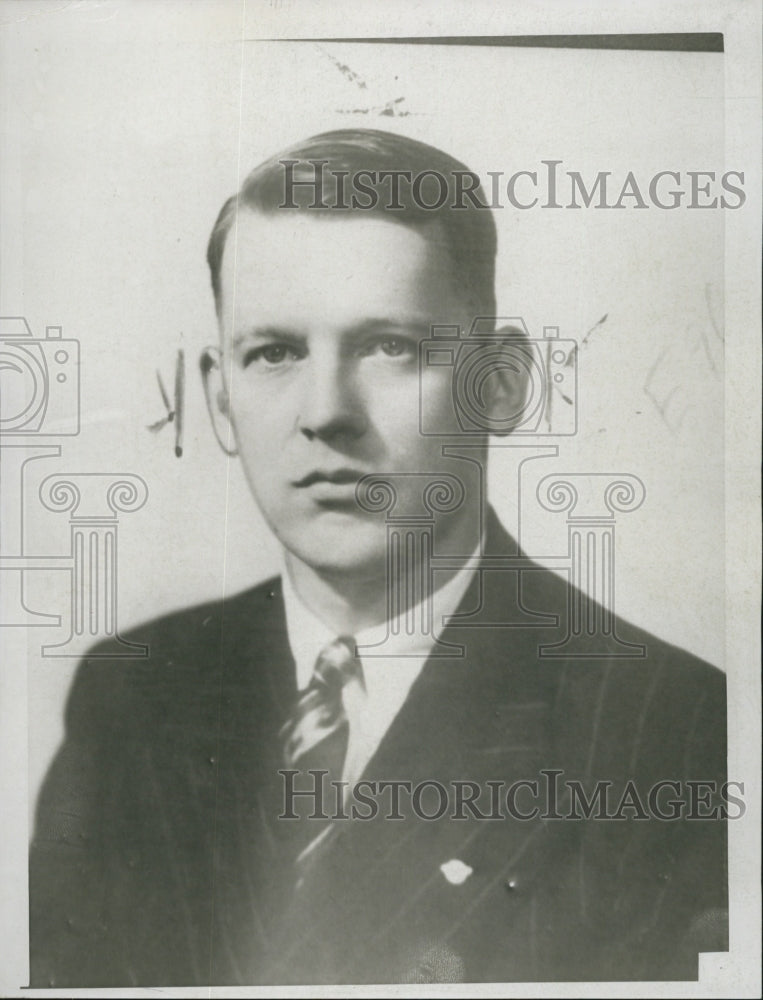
point(507, 389)
point(218, 399)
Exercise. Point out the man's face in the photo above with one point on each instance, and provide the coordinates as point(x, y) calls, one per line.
point(321, 321)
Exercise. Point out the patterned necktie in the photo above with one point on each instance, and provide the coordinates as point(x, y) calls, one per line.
point(316, 735)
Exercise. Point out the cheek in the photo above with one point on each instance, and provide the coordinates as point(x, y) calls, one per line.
point(399, 424)
point(394, 415)
point(434, 402)
point(257, 418)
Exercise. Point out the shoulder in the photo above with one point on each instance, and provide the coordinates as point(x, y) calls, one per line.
point(619, 694)
point(133, 723)
point(653, 672)
point(187, 654)
point(204, 623)
point(660, 715)
point(589, 647)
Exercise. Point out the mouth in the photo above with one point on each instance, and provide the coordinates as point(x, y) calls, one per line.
point(333, 477)
point(331, 489)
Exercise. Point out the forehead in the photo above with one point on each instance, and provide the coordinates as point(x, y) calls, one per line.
point(293, 268)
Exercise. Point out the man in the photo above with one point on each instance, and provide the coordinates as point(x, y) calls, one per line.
point(261, 801)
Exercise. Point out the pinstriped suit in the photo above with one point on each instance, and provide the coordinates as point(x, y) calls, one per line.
point(157, 860)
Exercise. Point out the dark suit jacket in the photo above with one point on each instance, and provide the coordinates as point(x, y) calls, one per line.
point(157, 858)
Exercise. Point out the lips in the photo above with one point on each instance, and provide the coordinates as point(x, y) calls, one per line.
point(334, 477)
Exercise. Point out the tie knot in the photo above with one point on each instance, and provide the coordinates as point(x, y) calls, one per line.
point(337, 663)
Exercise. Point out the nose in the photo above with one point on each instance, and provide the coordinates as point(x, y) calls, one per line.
point(331, 406)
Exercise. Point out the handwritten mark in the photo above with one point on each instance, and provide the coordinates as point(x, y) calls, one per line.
point(345, 70)
point(569, 361)
point(389, 110)
point(594, 327)
point(660, 399)
point(715, 328)
point(157, 425)
point(574, 352)
point(701, 342)
point(174, 413)
point(711, 313)
point(392, 111)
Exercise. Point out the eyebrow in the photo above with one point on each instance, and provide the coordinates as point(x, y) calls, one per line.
point(365, 328)
point(266, 333)
point(388, 324)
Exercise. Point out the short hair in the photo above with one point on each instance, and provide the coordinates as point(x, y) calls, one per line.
point(459, 218)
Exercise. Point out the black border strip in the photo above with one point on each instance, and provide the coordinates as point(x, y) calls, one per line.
point(673, 42)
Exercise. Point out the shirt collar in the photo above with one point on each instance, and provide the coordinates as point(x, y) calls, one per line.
point(308, 635)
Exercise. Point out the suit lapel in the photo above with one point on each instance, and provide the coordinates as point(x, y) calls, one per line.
point(250, 865)
point(478, 718)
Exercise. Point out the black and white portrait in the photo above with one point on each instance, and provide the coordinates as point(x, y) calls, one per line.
point(370, 393)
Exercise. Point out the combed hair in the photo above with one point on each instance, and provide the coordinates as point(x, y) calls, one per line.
point(468, 232)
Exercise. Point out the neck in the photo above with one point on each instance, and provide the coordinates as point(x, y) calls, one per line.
point(349, 602)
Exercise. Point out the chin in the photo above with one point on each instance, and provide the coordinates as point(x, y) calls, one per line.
point(356, 550)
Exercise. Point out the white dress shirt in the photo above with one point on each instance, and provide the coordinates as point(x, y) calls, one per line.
point(372, 704)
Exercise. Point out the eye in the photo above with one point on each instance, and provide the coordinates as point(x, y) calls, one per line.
point(391, 347)
point(394, 347)
point(270, 355)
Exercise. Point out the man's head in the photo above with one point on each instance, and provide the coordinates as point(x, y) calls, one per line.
point(322, 304)
point(365, 172)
